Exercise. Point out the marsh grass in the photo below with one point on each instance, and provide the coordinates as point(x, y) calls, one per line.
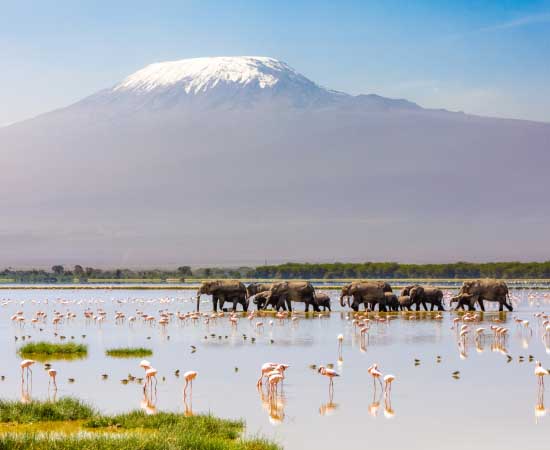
point(66, 408)
point(129, 352)
point(134, 430)
point(48, 350)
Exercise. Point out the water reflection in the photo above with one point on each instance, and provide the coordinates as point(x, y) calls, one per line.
point(188, 406)
point(26, 392)
point(201, 344)
point(328, 409)
point(148, 401)
point(274, 402)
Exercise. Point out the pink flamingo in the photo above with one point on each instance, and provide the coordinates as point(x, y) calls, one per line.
point(189, 376)
point(331, 374)
point(52, 373)
point(26, 364)
point(375, 373)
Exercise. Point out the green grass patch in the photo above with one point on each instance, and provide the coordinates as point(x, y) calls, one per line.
point(66, 408)
point(129, 352)
point(133, 430)
point(48, 350)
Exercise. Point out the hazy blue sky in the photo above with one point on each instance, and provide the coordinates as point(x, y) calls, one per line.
point(484, 57)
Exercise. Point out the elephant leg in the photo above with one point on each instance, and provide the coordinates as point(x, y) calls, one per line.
point(215, 303)
point(417, 305)
point(508, 306)
point(432, 307)
point(481, 305)
point(307, 306)
point(424, 305)
point(315, 305)
point(289, 304)
point(500, 306)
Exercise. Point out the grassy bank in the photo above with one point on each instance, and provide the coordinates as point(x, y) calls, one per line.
point(133, 430)
point(41, 350)
point(129, 352)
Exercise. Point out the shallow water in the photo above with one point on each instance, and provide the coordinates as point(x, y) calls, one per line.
point(490, 405)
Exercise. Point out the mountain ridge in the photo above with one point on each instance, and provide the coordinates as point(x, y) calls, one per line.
point(279, 172)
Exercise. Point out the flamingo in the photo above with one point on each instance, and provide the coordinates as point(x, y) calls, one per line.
point(375, 373)
point(149, 375)
point(26, 364)
point(540, 372)
point(145, 364)
point(266, 368)
point(273, 380)
point(52, 373)
point(340, 342)
point(189, 376)
point(330, 374)
point(388, 380)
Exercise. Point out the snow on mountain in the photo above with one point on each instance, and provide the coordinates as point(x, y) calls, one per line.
point(198, 75)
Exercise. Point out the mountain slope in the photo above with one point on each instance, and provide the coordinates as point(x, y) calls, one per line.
point(219, 163)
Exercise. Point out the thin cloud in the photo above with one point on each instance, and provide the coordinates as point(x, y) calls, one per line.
point(521, 22)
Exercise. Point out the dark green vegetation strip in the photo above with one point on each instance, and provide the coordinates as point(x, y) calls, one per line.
point(129, 352)
point(324, 271)
point(50, 349)
point(133, 430)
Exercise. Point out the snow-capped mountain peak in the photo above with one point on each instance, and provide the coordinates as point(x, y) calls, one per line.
point(198, 75)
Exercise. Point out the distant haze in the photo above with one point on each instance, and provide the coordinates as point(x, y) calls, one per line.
point(237, 160)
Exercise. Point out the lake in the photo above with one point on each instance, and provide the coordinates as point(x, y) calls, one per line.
point(489, 404)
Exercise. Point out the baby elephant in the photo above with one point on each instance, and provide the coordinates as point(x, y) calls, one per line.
point(262, 300)
point(392, 302)
point(323, 300)
point(405, 302)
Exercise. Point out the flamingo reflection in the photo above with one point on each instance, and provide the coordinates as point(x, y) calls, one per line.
point(26, 392)
point(148, 402)
point(188, 406)
point(274, 403)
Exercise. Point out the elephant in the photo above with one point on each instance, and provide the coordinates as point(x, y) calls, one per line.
point(255, 288)
point(423, 295)
point(391, 302)
point(463, 300)
point(263, 299)
point(224, 290)
point(294, 291)
point(479, 290)
point(404, 302)
point(323, 300)
point(367, 292)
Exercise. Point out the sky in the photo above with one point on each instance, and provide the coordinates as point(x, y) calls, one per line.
point(482, 57)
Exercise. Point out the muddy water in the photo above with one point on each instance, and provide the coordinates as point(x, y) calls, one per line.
point(489, 404)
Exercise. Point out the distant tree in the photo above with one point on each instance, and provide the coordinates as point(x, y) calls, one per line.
point(78, 270)
point(58, 269)
point(207, 272)
point(89, 271)
point(185, 271)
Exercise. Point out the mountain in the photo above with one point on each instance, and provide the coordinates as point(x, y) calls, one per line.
point(236, 159)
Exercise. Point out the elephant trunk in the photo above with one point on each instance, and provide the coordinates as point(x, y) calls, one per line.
point(342, 300)
point(198, 301)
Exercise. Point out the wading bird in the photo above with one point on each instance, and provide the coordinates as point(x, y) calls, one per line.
point(26, 365)
point(189, 376)
point(52, 373)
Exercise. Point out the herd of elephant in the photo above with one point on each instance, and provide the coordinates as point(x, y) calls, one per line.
point(281, 295)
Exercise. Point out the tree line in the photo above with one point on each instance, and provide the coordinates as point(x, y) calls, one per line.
point(61, 274)
point(397, 270)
